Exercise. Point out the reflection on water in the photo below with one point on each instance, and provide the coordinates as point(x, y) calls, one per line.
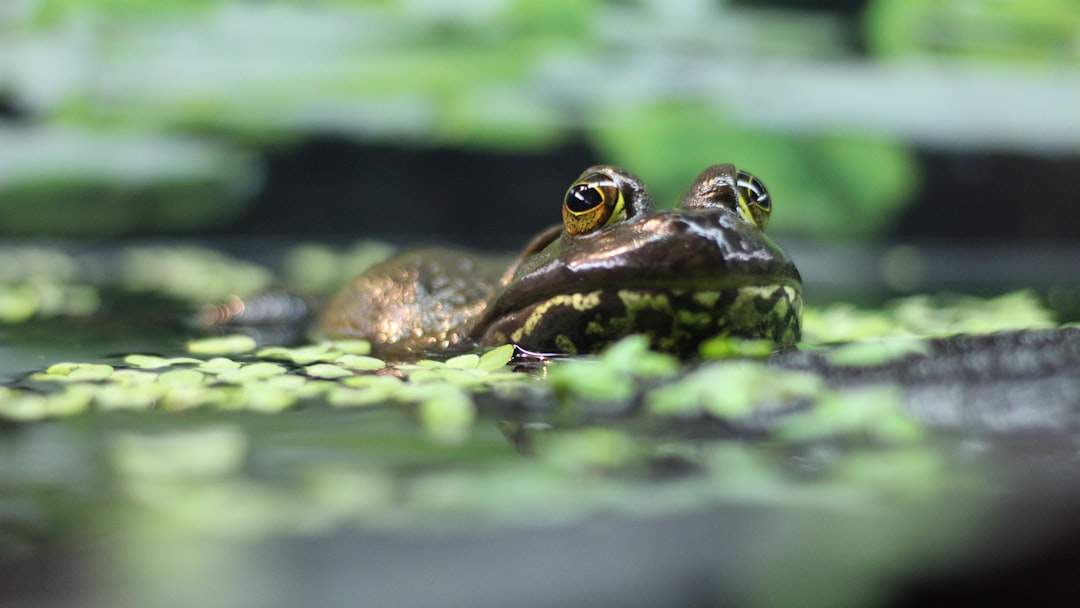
point(205, 508)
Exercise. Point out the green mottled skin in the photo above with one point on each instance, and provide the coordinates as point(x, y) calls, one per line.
point(679, 276)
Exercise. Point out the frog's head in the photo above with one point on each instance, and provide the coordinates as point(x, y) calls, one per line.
point(617, 266)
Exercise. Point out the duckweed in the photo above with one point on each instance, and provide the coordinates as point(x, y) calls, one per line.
point(732, 390)
point(133, 376)
point(74, 399)
point(327, 371)
point(359, 362)
point(590, 381)
point(191, 274)
point(18, 304)
point(267, 398)
point(613, 375)
point(249, 372)
point(467, 361)
point(496, 358)
point(632, 355)
point(877, 351)
point(354, 397)
point(350, 347)
point(145, 361)
point(25, 408)
point(218, 365)
point(316, 268)
point(421, 376)
point(286, 382)
point(874, 413)
point(134, 397)
point(46, 298)
point(313, 389)
point(341, 374)
point(464, 378)
point(74, 372)
point(182, 377)
point(200, 454)
point(590, 450)
point(372, 381)
point(223, 345)
point(446, 412)
point(303, 355)
point(728, 347)
point(925, 315)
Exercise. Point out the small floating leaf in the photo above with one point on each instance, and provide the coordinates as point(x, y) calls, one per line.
point(466, 361)
point(732, 390)
point(184, 361)
point(351, 347)
point(252, 371)
point(461, 377)
point(74, 399)
point(727, 347)
point(218, 365)
point(223, 345)
point(631, 355)
point(177, 377)
point(326, 371)
point(589, 380)
point(874, 413)
point(447, 413)
point(496, 358)
point(263, 397)
point(289, 382)
point(205, 453)
point(872, 352)
point(303, 355)
point(315, 388)
point(584, 450)
point(24, 407)
point(354, 397)
point(91, 371)
point(133, 376)
point(424, 375)
point(75, 372)
point(135, 397)
point(18, 303)
point(360, 362)
point(145, 361)
point(365, 381)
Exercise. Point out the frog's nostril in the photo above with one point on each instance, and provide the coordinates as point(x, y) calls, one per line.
point(679, 227)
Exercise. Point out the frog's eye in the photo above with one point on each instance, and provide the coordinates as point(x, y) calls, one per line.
point(592, 202)
point(755, 206)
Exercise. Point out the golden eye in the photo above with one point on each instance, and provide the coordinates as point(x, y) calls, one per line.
point(592, 202)
point(755, 206)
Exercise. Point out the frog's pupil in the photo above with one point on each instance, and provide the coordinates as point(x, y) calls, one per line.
point(583, 198)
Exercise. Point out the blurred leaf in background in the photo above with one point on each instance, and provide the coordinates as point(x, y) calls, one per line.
point(1010, 31)
point(67, 181)
point(826, 185)
point(664, 88)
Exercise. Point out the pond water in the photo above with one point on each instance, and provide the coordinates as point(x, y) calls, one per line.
point(140, 465)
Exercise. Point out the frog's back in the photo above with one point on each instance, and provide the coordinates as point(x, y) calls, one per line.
point(415, 302)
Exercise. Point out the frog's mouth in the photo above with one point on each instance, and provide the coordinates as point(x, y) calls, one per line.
point(678, 276)
point(676, 320)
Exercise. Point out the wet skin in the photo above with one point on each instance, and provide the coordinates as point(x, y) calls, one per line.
point(615, 267)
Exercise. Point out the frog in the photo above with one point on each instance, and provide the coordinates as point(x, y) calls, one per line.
point(616, 266)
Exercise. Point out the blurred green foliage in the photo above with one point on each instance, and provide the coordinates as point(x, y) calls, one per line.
point(1024, 31)
point(824, 184)
point(663, 88)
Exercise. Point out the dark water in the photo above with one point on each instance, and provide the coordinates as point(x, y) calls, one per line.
point(547, 500)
